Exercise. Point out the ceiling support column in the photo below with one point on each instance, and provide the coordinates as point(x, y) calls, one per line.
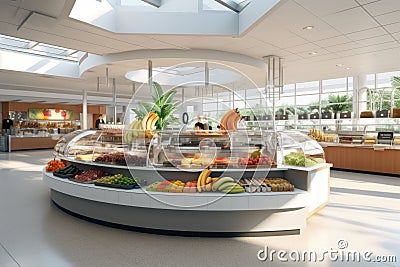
point(84, 111)
point(274, 81)
point(114, 101)
point(150, 71)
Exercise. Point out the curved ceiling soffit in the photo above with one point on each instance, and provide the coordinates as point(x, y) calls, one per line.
point(194, 54)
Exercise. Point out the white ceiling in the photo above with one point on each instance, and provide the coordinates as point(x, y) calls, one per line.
point(361, 34)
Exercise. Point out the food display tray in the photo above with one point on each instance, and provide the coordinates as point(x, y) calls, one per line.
point(64, 176)
point(258, 166)
point(117, 185)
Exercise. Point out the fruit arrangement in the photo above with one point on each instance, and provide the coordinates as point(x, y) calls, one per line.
point(259, 160)
point(54, 165)
point(230, 120)
point(67, 172)
point(190, 187)
point(141, 128)
point(176, 186)
point(89, 176)
point(204, 181)
point(117, 181)
point(299, 159)
point(227, 185)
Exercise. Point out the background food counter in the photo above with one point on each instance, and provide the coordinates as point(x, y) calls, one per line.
point(368, 158)
point(32, 142)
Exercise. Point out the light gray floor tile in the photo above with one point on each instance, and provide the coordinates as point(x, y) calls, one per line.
point(364, 211)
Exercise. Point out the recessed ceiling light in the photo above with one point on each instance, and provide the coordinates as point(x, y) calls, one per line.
point(313, 53)
point(339, 65)
point(348, 68)
point(310, 27)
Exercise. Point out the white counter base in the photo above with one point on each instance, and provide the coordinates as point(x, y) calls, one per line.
point(208, 213)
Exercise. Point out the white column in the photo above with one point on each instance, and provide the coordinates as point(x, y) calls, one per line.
point(84, 111)
point(114, 100)
point(362, 92)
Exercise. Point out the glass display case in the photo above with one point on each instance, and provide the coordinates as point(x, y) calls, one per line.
point(193, 149)
point(101, 146)
point(215, 149)
point(298, 149)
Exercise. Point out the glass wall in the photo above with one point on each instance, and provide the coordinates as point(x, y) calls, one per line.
point(314, 97)
point(381, 95)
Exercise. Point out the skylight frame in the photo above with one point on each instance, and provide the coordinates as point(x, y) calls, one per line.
point(234, 5)
point(155, 3)
point(32, 47)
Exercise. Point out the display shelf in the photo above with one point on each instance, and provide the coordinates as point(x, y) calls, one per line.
point(212, 201)
point(189, 213)
point(169, 169)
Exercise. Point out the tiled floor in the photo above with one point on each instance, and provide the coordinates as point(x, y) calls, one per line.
point(364, 211)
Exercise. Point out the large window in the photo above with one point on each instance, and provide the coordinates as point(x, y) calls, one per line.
point(380, 95)
point(332, 95)
point(337, 95)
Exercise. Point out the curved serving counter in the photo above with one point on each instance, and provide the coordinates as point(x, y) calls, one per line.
point(280, 205)
point(206, 213)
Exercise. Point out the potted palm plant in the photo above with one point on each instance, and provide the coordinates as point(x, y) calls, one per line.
point(164, 106)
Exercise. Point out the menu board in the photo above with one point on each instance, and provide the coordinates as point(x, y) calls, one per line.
point(385, 135)
point(49, 114)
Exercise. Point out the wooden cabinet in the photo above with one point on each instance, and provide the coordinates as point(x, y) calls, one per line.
point(364, 159)
point(23, 143)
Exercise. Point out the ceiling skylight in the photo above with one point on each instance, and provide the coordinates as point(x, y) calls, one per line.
point(235, 5)
point(32, 47)
point(156, 3)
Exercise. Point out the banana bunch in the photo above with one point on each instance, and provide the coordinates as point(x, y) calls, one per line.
point(204, 182)
point(230, 120)
point(149, 121)
point(141, 128)
point(227, 185)
point(134, 131)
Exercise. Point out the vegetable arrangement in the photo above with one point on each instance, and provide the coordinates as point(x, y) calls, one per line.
point(298, 159)
point(54, 165)
point(118, 179)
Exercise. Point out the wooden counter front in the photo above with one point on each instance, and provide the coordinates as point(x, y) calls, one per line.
point(364, 159)
point(23, 143)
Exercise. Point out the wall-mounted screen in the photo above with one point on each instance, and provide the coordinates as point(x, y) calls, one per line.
point(49, 114)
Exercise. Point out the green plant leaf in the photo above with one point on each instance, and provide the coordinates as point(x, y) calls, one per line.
point(139, 114)
point(166, 98)
point(157, 91)
point(146, 106)
point(163, 105)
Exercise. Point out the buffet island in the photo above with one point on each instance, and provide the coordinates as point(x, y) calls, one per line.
point(191, 183)
point(170, 170)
